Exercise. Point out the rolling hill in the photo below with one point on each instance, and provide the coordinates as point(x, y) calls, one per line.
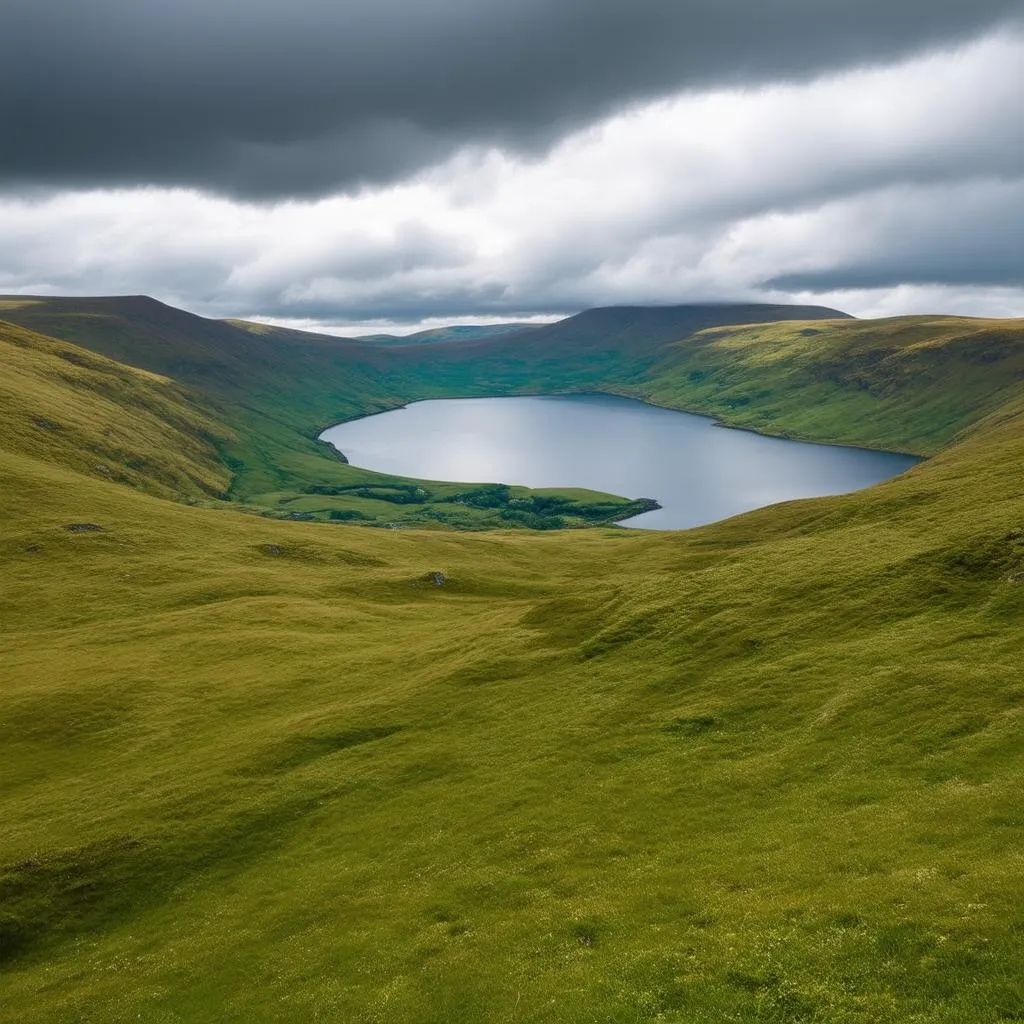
point(443, 335)
point(767, 770)
point(273, 390)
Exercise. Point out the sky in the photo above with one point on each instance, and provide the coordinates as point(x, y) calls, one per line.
point(393, 164)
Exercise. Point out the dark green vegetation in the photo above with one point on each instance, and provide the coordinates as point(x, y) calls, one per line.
point(768, 770)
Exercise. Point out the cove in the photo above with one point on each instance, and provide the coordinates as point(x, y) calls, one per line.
point(697, 470)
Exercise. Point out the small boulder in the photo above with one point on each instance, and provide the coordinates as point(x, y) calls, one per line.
point(83, 528)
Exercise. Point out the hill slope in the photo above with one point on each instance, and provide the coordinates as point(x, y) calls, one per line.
point(766, 770)
point(633, 331)
point(66, 405)
point(431, 336)
point(444, 335)
point(274, 390)
point(910, 383)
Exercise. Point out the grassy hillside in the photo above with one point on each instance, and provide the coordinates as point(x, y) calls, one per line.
point(903, 383)
point(274, 390)
point(65, 405)
point(768, 770)
point(267, 394)
point(594, 350)
point(909, 383)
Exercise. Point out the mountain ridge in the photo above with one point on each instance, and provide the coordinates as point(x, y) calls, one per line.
point(274, 390)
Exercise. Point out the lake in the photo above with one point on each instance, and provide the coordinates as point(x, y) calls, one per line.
point(699, 471)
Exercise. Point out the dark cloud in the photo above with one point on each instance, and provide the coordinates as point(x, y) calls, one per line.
point(266, 98)
point(889, 274)
point(963, 236)
point(892, 189)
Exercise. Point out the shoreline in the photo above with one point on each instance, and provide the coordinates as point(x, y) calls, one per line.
point(712, 420)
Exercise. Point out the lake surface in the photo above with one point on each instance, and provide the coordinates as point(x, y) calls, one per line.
point(698, 471)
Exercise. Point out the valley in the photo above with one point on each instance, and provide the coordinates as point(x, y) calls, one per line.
point(259, 769)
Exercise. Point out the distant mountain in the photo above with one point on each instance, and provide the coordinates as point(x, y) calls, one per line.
point(637, 330)
point(457, 332)
point(630, 329)
point(433, 336)
point(236, 357)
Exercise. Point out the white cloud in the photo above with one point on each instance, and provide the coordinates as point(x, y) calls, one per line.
point(885, 187)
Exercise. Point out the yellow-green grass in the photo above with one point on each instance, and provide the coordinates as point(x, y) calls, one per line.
point(768, 770)
point(61, 403)
point(908, 383)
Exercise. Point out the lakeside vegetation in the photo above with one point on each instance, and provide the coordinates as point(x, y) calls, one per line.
point(266, 394)
point(250, 769)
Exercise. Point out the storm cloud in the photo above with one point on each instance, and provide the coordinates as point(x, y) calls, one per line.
point(350, 165)
point(269, 99)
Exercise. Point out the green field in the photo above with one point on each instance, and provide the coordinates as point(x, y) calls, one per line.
point(260, 770)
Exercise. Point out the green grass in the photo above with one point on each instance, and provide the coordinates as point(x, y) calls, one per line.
point(66, 405)
point(907, 383)
point(267, 393)
point(768, 770)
